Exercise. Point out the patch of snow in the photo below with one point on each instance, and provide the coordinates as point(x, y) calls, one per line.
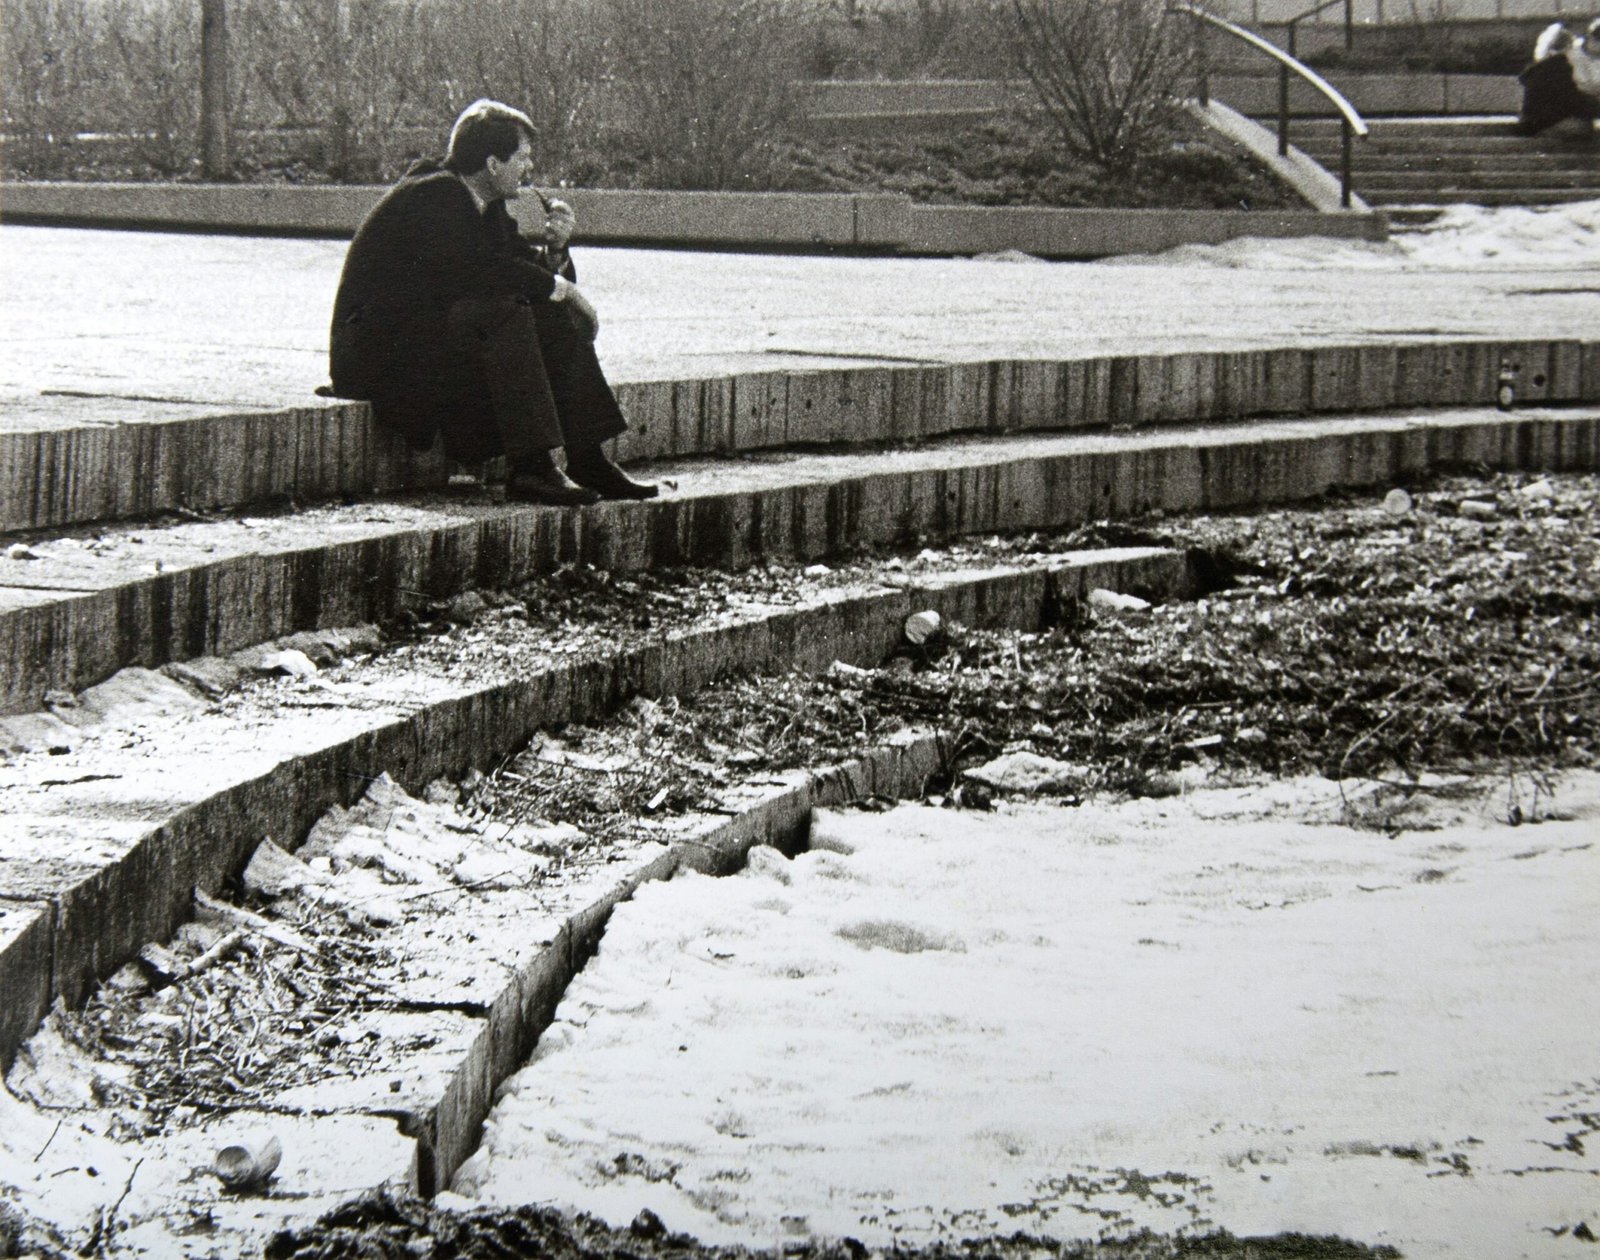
point(1078, 1023)
point(1554, 238)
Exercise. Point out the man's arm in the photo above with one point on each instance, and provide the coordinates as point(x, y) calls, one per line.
point(460, 252)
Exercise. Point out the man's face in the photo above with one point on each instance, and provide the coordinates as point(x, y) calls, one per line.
point(507, 177)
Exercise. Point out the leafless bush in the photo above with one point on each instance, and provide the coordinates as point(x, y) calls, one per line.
point(51, 80)
point(154, 54)
point(705, 86)
point(1107, 73)
point(353, 71)
point(539, 55)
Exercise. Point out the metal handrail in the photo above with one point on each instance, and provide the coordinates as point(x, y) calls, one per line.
point(1293, 24)
point(1350, 122)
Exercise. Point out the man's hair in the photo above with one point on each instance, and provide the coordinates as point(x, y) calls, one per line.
point(486, 127)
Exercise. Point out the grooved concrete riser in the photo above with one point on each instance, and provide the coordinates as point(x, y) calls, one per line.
point(74, 642)
point(72, 476)
point(528, 1004)
point(176, 835)
point(95, 473)
point(26, 932)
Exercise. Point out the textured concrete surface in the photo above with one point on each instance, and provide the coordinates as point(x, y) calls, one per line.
point(120, 327)
point(806, 221)
point(74, 610)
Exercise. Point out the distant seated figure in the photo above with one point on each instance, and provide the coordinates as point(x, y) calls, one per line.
point(452, 324)
point(1563, 81)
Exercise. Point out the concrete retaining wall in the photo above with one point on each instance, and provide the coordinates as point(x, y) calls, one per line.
point(75, 476)
point(888, 108)
point(801, 221)
point(1376, 95)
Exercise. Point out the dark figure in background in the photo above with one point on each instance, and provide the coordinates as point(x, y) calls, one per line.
point(450, 323)
point(1563, 81)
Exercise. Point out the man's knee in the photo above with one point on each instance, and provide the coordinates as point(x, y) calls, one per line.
point(491, 318)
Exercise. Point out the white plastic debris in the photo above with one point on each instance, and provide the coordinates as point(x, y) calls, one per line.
point(249, 1163)
point(923, 626)
point(1478, 509)
point(1538, 490)
point(1116, 601)
point(1397, 502)
point(290, 661)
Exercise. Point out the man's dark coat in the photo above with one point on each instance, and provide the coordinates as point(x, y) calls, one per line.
point(421, 251)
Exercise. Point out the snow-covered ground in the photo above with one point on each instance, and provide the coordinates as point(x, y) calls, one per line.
point(1228, 1010)
point(1503, 238)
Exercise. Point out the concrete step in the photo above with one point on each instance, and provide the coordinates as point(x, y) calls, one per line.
point(1451, 161)
point(1422, 196)
point(1578, 181)
point(1369, 160)
point(80, 608)
point(68, 474)
point(107, 836)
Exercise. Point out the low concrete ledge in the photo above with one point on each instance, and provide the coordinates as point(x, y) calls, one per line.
point(1101, 233)
point(843, 102)
point(112, 845)
point(746, 220)
point(1376, 95)
point(72, 476)
point(782, 818)
point(192, 590)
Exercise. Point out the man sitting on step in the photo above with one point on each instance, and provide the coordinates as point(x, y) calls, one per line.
point(451, 323)
point(1563, 81)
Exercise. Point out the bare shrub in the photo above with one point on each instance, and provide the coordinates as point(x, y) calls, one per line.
point(705, 87)
point(353, 72)
point(154, 52)
point(1107, 73)
point(539, 55)
point(51, 81)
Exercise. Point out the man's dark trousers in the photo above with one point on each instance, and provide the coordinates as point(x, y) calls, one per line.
point(541, 375)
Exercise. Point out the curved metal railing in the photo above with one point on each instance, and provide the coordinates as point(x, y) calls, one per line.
point(1351, 123)
point(1292, 26)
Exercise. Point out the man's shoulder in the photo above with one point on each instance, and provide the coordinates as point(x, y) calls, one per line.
point(431, 184)
point(429, 192)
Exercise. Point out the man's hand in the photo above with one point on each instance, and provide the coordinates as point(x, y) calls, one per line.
point(559, 221)
point(584, 317)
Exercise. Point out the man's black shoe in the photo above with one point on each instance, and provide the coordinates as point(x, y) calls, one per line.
point(553, 487)
point(606, 479)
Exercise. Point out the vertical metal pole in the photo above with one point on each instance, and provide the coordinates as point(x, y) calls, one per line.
point(214, 138)
point(1348, 136)
point(1283, 111)
point(1293, 30)
point(1349, 24)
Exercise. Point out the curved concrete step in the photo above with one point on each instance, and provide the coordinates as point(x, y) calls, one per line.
point(80, 473)
point(152, 596)
point(106, 838)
